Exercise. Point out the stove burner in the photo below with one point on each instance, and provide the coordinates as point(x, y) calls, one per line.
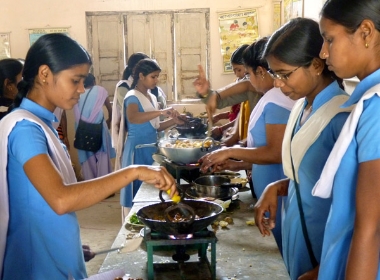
point(181, 236)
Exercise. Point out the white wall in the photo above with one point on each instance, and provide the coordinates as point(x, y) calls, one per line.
point(19, 15)
point(312, 8)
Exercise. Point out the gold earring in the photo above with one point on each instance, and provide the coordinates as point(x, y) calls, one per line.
point(262, 77)
point(318, 74)
point(44, 81)
point(366, 45)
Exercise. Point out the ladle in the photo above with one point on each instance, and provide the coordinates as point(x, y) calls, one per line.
point(187, 212)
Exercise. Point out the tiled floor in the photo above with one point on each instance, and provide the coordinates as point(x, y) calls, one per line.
point(99, 226)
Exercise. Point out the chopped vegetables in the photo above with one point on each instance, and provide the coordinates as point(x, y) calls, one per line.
point(133, 219)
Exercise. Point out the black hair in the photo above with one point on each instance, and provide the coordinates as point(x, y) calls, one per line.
point(145, 67)
point(56, 50)
point(351, 13)
point(132, 61)
point(252, 55)
point(9, 69)
point(297, 43)
point(237, 55)
point(89, 81)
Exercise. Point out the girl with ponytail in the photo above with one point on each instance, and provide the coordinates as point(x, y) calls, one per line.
point(121, 89)
point(141, 118)
point(39, 193)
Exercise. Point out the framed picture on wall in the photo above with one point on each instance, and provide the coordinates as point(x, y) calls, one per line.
point(277, 15)
point(235, 29)
point(35, 33)
point(292, 9)
point(5, 45)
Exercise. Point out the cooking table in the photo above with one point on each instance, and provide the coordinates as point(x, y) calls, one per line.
point(241, 251)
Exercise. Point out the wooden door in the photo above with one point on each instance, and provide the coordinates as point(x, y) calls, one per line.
point(152, 34)
point(191, 40)
point(105, 39)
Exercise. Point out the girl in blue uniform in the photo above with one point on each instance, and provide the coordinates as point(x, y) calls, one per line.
point(141, 120)
point(314, 125)
point(39, 194)
point(265, 131)
point(351, 245)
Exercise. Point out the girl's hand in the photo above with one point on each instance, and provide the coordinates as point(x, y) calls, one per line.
point(157, 176)
point(267, 204)
point(168, 112)
point(213, 159)
point(201, 84)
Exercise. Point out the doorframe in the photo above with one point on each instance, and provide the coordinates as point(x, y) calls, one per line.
point(124, 14)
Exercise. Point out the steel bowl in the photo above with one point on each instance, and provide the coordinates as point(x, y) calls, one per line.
point(186, 155)
point(214, 186)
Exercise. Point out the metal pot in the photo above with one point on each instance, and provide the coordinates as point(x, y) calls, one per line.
point(213, 186)
point(192, 127)
point(183, 155)
point(186, 155)
point(151, 217)
point(228, 174)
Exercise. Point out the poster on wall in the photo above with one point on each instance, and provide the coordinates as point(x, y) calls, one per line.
point(276, 15)
point(292, 9)
point(5, 45)
point(35, 33)
point(236, 28)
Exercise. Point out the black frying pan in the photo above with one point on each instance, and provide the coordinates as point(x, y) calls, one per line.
point(207, 212)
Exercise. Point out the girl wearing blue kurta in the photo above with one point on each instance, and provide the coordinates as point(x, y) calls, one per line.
point(39, 193)
point(266, 128)
point(314, 125)
point(140, 123)
point(351, 175)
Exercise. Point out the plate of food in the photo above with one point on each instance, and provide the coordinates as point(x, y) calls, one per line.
point(133, 220)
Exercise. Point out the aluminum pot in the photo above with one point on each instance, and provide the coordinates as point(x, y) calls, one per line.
point(187, 155)
point(183, 155)
point(228, 174)
point(214, 186)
